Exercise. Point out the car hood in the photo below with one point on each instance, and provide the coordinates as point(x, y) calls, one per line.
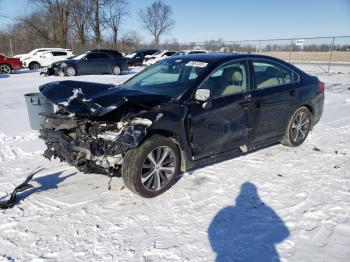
point(96, 99)
point(63, 61)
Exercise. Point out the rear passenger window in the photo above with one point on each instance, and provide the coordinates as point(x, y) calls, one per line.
point(59, 53)
point(270, 75)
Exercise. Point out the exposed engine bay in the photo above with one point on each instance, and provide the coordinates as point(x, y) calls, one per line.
point(91, 145)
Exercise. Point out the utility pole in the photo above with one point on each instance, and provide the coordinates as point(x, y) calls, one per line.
point(11, 46)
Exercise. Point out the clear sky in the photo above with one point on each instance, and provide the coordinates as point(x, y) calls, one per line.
point(199, 20)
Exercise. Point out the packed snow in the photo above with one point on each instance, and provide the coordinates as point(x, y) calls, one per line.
point(276, 204)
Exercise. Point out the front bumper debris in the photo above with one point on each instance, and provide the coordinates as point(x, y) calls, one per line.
point(91, 146)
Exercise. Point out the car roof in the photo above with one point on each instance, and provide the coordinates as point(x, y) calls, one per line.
point(218, 57)
point(108, 51)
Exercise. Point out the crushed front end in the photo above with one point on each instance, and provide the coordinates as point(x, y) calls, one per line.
point(95, 124)
point(91, 146)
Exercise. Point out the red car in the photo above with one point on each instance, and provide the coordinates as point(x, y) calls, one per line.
point(8, 64)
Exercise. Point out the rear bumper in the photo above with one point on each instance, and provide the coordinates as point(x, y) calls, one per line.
point(318, 103)
point(17, 67)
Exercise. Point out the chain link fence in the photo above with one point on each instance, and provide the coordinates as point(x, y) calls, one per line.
point(325, 51)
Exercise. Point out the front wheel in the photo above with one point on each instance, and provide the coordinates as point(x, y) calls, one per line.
point(5, 69)
point(150, 169)
point(34, 66)
point(70, 71)
point(298, 128)
point(116, 70)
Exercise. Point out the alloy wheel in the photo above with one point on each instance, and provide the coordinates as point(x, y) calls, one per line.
point(35, 66)
point(300, 127)
point(70, 71)
point(5, 69)
point(116, 70)
point(158, 168)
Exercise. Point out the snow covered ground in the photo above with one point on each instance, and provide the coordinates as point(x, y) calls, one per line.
point(279, 203)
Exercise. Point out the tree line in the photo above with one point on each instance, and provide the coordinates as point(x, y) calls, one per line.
point(85, 24)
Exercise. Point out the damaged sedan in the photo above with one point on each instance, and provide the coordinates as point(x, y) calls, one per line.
point(178, 114)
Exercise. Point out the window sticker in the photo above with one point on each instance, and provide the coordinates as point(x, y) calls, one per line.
point(197, 64)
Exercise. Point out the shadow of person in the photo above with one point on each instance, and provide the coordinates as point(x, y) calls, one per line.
point(248, 231)
point(47, 182)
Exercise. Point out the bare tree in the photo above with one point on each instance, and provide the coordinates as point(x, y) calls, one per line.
point(96, 21)
point(59, 12)
point(130, 41)
point(114, 11)
point(81, 17)
point(157, 20)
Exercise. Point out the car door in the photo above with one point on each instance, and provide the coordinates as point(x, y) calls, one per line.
point(87, 64)
point(104, 63)
point(275, 94)
point(224, 122)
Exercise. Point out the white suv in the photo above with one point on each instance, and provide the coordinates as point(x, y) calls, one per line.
point(45, 59)
point(37, 51)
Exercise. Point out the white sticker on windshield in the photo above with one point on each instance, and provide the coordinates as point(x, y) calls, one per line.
point(197, 64)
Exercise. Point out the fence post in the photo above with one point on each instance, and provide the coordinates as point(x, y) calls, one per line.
point(330, 56)
point(290, 49)
point(11, 47)
point(260, 47)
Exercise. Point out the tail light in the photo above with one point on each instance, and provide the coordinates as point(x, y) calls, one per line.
point(321, 86)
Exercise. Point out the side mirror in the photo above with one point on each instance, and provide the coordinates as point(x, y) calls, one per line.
point(202, 95)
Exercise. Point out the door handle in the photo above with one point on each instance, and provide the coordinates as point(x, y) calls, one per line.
point(292, 92)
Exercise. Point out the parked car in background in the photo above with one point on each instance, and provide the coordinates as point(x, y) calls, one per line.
point(150, 60)
point(92, 62)
point(137, 57)
point(45, 59)
point(34, 52)
point(178, 114)
point(8, 64)
point(192, 52)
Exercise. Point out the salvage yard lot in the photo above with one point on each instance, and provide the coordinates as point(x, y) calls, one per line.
point(301, 207)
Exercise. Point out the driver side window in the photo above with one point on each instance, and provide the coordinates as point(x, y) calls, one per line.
point(227, 80)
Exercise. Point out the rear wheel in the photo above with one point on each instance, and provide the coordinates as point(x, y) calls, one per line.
point(298, 127)
point(116, 70)
point(150, 169)
point(5, 69)
point(34, 66)
point(70, 71)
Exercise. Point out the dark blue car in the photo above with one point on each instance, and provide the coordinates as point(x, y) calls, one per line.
point(99, 61)
point(180, 113)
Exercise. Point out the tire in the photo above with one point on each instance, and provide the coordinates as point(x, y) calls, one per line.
point(144, 178)
point(34, 66)
point(70, 71)
point(298, 127)
point(116, 70)
point(5, 69)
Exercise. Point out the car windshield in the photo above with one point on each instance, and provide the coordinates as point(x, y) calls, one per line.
point(158, 52)
point(168, 77)
point(132, 55)
point(78, 57)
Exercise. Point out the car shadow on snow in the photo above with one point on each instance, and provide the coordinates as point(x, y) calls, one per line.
point(50, 181)
point(23, 71)
point(4, 75)
point(247, 231)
